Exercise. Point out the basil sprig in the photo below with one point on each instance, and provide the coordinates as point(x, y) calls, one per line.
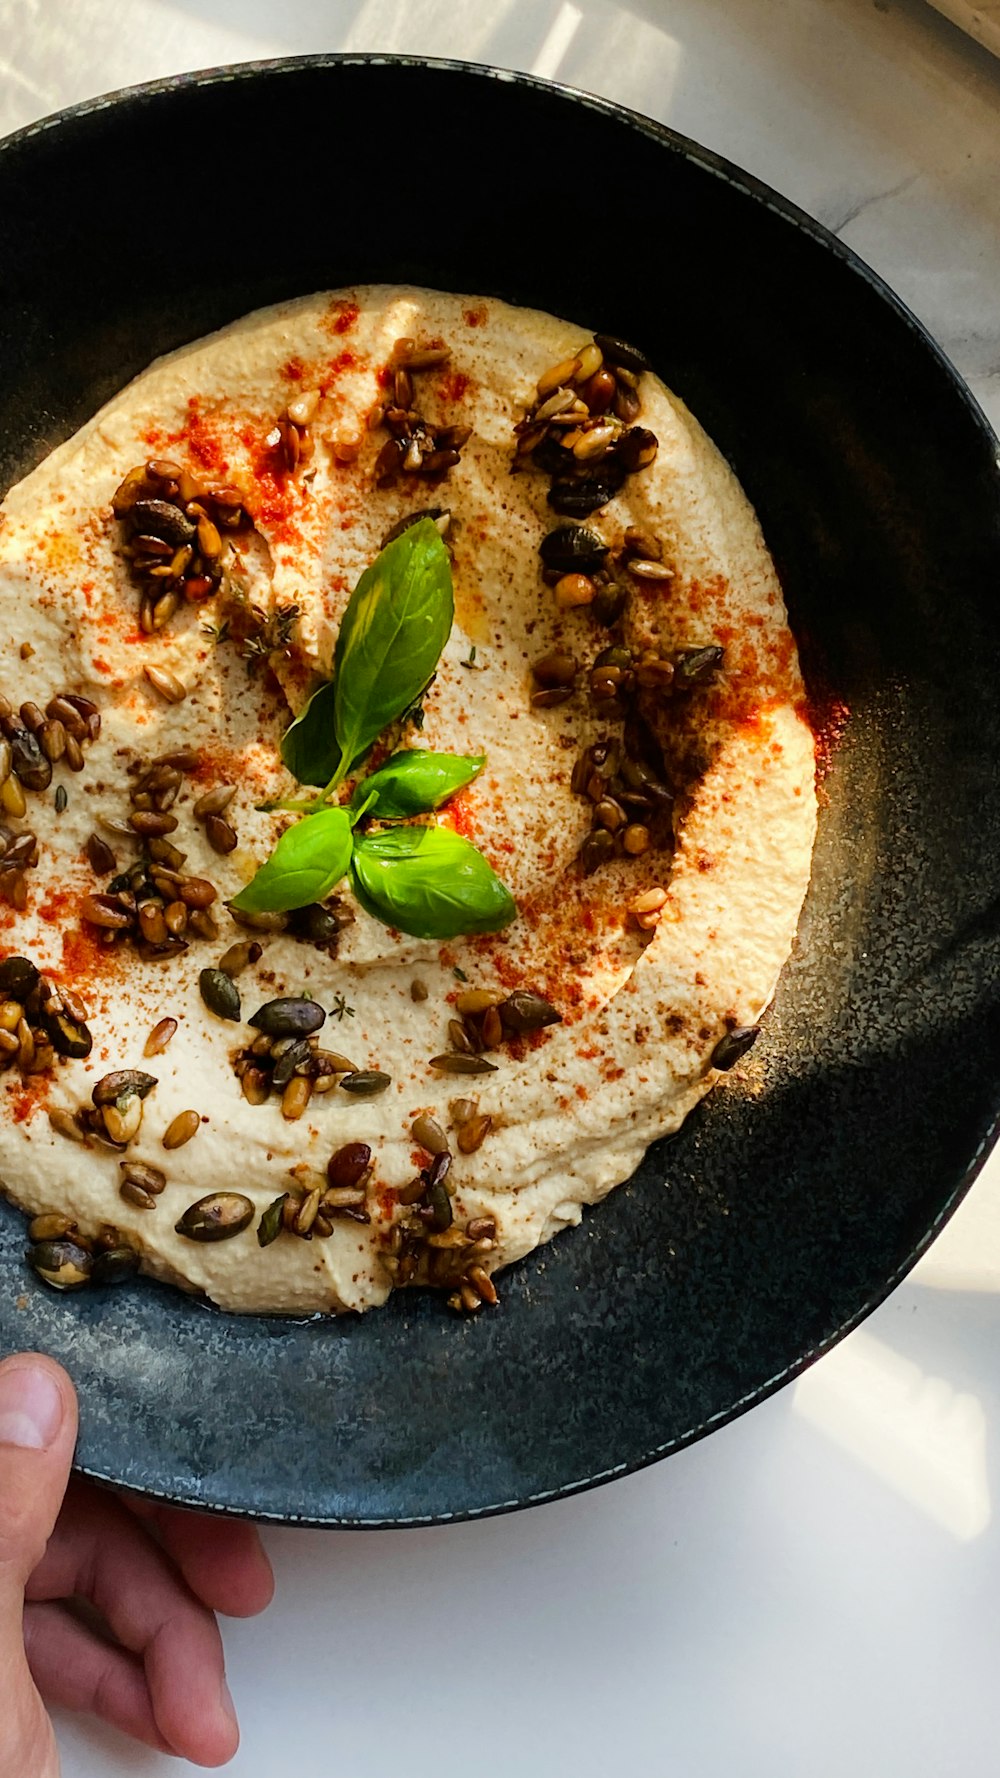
point(429, 882)
point(395, 626)
point(309, 745)
point(414, 782)
point(308, 862)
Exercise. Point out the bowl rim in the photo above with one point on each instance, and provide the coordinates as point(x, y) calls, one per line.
point(759, 191)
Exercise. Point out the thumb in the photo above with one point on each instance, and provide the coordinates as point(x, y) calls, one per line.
point(37, 1435)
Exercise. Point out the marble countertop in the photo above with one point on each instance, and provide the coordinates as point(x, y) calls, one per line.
point(813, 1589)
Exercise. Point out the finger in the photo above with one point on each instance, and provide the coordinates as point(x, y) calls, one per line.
point(100, 1551)
point(222, 1560)
point(74, 1667)
point(37, 1435)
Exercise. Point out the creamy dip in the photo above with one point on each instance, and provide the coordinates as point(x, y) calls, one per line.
point(573, 1106)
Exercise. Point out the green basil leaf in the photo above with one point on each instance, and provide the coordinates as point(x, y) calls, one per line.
point(430, 882)
point(309, 745)
point(397, 621)
point(414, 782)
point(309, 860)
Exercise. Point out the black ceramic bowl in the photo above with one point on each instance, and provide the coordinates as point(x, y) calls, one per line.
point(772, 1224)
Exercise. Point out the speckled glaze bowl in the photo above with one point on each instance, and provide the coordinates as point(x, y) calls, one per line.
point(775, 1222)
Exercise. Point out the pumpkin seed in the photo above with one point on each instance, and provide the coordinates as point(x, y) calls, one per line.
point(524, 1011)
point(288, 1017)
point(216, 1217)
point(68, 1036)
point(348, 1166)
point(18, 977)
point(112, 1087)
point(62, 1264)
point(695, 666)
point(733, 1045)
point(114, 1266)
point(620, 353)
point(366, 1082)
point(181, 1129)
point(298, 1051)
point(573, 549)
point(456, 1063)
point(220, 994)
point(270, 1224)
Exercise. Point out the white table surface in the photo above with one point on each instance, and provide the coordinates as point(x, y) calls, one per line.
point(815, 1590)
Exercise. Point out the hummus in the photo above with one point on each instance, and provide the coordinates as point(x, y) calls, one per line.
point(644, 1000)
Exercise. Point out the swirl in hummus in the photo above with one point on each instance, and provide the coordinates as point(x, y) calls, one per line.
point(654, 832)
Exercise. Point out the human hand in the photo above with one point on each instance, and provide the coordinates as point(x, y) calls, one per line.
point(154, 1576)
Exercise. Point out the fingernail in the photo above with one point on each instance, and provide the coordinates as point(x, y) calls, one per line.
point(227, 1700)
point(31, 1406)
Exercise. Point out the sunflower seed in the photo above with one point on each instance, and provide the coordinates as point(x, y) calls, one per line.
point(473, 1133)
point(181, 1129)
point(428, 1132)
point(214, 801)
point(733, 1045)
point(172, 689)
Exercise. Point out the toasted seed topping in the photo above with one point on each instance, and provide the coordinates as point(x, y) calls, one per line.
point(216, 1217)
point(67, 1035)
point(115, 1265)
point(214, 802)
point(112, 1087)
point(239, 955)
point(473, 1132)
point(51, 1226)
point(181, 1129)
point(18, 977)
point(220, 994)
point(418, 991)
point(524, 1011)
point(288, 1017)
point(61, 1264)
point(159, 1037)
point(140, 1173)
point(135, 1195)
point(366, 1082)
point(65, 1124)
point(455, 1063)
point(270, 1224)
point(733, 1045)
point(172, 689)
point(296, 1097)
point(220, 835)
point(620, 353)
point(428, 1132)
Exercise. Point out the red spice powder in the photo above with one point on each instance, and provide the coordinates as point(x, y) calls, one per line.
point(346, 318)
point(455, 385)
point(476, 317)
point(25, 1103)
